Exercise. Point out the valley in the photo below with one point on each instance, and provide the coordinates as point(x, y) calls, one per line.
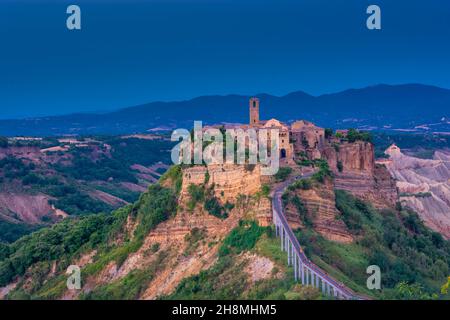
point(205, 232)
point(45, 180)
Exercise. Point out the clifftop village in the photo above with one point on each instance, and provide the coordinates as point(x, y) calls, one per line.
point(300, 140)
point(349, 154)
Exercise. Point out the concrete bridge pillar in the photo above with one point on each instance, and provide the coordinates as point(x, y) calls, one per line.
point(289, 251)
point(295, 267)
point(303, 273)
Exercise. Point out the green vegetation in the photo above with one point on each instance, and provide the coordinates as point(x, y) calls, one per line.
point(201, 194)
point(129, 287)
point(77, 203)
point(196, 194)
point(153, 207)
point(283, 173)
point(145, 152)
point(398, 242)
point(421, 145)
point(302, 159)
point(13, 168)
point(193, 238)
point(3, 142)
point(175, 176)
point(103, 169)
point(265, 190)
point(228, 278)
point(303, 184)
point(302, 211)
point(241, 238)
point(10, 232)
point(405, 291)
point(324, 171)
point(356, 135)
point(290, 197)
point(417, 195)
point(214, 208)
point(70, 238)
point(445, 287)
point(60, 241)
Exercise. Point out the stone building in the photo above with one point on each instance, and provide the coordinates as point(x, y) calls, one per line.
point(293, 139)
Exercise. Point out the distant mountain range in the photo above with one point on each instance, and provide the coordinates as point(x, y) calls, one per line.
point(381, 107)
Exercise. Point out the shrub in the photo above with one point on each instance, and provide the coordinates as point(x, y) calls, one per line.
point(303, 184)
point(355, 135)
point(197, 194)
point(175, 175)
point(265, 190)
point(3, 142)
point(242, 238)
point(302, 211)
point(283, 173)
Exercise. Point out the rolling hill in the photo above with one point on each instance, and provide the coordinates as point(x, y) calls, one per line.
point(402, 107)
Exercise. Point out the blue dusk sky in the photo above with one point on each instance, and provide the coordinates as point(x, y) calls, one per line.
point(131, 52)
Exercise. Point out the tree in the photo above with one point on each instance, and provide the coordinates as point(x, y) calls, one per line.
point(3, 142)
point(445, 287)
point(355, 135)
point(328, 132)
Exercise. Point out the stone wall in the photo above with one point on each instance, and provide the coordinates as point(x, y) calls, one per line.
point(229, 180)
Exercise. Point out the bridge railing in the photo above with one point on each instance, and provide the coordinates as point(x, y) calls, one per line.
point(304, 270)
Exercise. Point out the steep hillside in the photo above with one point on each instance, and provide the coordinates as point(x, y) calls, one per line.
point(188, 238)
point(143, 250)
point(411, 257)
point(424, 186)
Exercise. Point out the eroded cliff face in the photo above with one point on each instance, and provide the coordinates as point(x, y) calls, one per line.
point(229, 180)
point(320, 204)
point(19, 207)
point(424, 186)
point(355, 171)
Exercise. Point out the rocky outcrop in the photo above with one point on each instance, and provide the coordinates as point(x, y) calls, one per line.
point(229, 180)
point(320, 203)
point(355, 171)
point(424, 186)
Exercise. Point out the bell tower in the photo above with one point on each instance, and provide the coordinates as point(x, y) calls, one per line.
point(254, 111)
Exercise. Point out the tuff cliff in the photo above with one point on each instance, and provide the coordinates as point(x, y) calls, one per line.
point(354, 168)
point(316, 205)
point(229, 180)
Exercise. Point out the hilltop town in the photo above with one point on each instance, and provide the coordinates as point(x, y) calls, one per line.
point(206, 231)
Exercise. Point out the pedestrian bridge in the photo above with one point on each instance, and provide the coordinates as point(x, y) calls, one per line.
point(306, 272)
